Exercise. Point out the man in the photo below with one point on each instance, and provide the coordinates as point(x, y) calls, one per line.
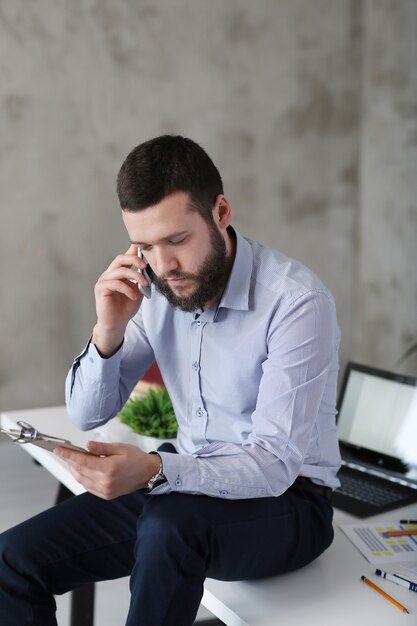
point(246, 340)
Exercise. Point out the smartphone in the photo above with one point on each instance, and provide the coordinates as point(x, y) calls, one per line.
point(147, 274)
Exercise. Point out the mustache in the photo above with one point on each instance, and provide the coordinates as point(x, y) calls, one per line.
point(175, 274)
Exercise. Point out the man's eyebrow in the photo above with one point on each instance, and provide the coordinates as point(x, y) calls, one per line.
point(167, 238)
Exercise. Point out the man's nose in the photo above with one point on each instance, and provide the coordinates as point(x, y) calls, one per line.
point(165, 262)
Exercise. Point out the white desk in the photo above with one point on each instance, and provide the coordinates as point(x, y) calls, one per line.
point(327, 592)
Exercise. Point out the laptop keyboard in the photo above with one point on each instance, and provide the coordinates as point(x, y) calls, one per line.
point(363, 490)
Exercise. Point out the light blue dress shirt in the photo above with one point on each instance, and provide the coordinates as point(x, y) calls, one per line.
point(252, 380)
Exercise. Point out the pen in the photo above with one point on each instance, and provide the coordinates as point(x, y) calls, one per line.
point(406, 532)
point(408, 521)
point(386, 595)
point(398, 580)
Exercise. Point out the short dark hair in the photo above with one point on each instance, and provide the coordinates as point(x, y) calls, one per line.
point(163, 165)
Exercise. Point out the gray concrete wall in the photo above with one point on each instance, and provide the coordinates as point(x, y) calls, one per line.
point(307, 107)
point(386, 279)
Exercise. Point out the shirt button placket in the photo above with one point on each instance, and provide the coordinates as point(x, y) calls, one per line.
point(198, 425)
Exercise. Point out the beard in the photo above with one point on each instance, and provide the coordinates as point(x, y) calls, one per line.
point(210, 279)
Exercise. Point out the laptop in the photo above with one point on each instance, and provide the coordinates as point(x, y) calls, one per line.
point(377, 431)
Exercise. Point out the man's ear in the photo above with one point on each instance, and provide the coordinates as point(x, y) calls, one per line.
point(222, 211)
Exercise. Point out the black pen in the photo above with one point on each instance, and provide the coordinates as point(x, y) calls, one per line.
point(408, 521)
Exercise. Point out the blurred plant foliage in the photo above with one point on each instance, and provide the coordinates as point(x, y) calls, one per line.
point(410, 350)
point(151, 414)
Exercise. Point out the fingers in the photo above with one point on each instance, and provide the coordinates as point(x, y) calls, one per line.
point(129, 258)
point(106, 286)
point(98, 448)
point(90, 470)
point(132, 249)
point(75, 458)
point(123, 275)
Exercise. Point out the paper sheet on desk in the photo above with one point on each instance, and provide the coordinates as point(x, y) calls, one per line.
point(410, 573)
point(376, 548)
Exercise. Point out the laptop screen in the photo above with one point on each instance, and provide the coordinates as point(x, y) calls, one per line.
point(377, 417)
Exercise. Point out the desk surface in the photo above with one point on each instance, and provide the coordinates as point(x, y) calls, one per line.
point(327, 592)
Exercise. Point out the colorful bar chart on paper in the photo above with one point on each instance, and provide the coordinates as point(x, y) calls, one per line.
point(376, 548)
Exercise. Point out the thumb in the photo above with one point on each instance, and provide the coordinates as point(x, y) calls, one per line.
point(99, 448)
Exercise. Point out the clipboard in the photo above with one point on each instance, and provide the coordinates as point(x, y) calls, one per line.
point(26, 433)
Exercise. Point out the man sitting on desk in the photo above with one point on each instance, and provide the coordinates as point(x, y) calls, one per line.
point(247, 342)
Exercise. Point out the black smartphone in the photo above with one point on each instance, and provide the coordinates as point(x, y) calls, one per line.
point(148, 273)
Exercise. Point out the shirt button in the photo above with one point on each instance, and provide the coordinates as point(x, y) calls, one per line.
point(91, 359)
point(223, 492)
point(198, 322)
point(199, 413)
point(178, 482)
point(195, 365)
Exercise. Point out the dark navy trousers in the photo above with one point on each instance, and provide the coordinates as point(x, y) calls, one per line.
point(167, 544)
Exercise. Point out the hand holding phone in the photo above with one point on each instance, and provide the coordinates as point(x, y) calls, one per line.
point(117, 300)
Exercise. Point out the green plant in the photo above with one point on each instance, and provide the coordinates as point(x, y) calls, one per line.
point(151, 414)
point(410, 350)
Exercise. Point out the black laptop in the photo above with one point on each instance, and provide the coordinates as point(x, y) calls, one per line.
point(377, 431)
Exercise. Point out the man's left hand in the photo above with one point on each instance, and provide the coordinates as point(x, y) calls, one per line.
point(111, 469)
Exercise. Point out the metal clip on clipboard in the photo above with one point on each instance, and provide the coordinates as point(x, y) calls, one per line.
point(28, 434)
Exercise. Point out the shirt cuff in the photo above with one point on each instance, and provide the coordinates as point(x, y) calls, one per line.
point(181, 472)
point(96, 367)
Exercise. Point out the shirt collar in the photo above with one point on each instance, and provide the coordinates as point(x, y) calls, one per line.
point(236, 293)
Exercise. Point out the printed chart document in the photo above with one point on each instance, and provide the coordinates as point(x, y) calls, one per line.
point(371, 541)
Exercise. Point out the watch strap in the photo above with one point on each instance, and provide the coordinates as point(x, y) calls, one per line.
point(157, 479)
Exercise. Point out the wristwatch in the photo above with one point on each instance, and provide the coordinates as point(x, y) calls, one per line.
point(157, 479)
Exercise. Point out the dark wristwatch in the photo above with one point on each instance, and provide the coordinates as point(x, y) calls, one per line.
point(157, 479)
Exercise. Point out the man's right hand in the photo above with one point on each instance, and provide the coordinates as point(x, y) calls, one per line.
point(118, 299)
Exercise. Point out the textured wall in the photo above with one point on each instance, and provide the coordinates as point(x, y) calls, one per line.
point(299, 103)
point(386, 278)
